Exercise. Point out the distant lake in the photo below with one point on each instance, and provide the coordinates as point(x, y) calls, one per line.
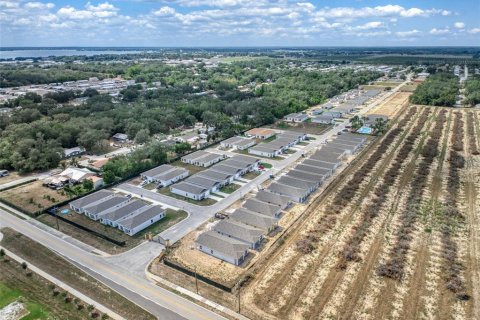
point(41, 53)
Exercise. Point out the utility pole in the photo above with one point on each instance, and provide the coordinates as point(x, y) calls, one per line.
point(56, 218)
point(239, 303)
point(196, 280)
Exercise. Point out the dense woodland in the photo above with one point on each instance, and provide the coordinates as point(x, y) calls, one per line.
point(33, 136)
point(472, 91)
point(440, 89)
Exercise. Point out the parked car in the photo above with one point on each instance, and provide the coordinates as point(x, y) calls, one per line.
point(4, 173)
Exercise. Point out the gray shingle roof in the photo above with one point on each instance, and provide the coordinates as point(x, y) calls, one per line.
point(195, 155)
point(297, 183)
point(309, 168)
point(262, 207)
point(158, 170)
point(321, 164)
point(272, 198)
point(225, 169)
point(123, 211)
point(214, 175)
point(107, 204)
point(239, 230)
point(172, 174)
point(307, 176)
point(228, 246)
point(202, 182)
point(288, 190)
point(190, 188)
point(243, 158)
point(253, 218)
point(141, 217)
point(91, 198)
point(325, 156)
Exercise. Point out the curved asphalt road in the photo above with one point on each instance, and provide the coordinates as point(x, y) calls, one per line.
point(158, 301)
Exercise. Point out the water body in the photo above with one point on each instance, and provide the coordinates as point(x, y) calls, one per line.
point(42, 53)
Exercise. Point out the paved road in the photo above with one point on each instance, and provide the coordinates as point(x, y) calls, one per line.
point(199, 214)
point(160, 302)
point(124, 272)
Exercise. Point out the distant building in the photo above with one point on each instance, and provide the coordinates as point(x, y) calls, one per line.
point(296, 117)
point(260, 133)
point(73, 152)
point(120, 137)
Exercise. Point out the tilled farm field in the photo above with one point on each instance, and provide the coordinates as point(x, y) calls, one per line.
point(396, 237)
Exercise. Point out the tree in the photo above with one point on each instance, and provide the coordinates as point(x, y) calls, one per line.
point(108, 176)
point(87, 184)
point(356, 122)
point(142, 136)
point(181, 148)
point(379, 126)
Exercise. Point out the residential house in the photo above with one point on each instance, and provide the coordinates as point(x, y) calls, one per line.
point(222, 247)
point(141, 220)
point(99, 196)
point(296, 194)
point(296, 117)
point(95, 210)
point(271, 210)
point(233, 229)
point(202, 158)
point(73, 152)
point(190, 191)
point(273, 198)
point(112, 216)
point(260, 133)
point(254, 219)
point(120, 137)
point(165, 175)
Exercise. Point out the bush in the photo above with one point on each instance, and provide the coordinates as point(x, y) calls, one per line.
point(24, 265)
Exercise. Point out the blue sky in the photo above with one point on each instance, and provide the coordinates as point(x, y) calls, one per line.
point(239, 23)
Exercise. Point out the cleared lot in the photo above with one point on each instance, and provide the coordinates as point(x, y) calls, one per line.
point(391, 237)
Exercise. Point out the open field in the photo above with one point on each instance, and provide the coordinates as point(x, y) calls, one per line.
point(36, 294)
point(391, 106)
point(61, 269)
point(13, 176)
point(170, 219)
point(409, 87)
point(33, 197)
point(396, 235)
point(306, 127)
point(389, 243)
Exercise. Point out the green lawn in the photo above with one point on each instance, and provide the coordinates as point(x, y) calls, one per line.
point(172, 217)
point(251, 175)
point(266, 165)
point(230, 188)
point(9, 295)
point(150, 186)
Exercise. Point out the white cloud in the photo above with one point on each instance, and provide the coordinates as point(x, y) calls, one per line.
point(165, 11)
point(474, 31)
point(370, 25)
point(379, 11)
point(39, 5)
point(459, 25)
point(438, 32)
point(409, 33)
